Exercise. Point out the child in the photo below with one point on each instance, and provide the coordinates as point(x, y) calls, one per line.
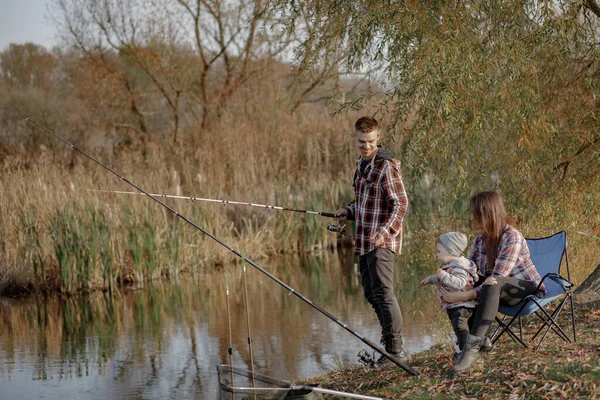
point(456, 273)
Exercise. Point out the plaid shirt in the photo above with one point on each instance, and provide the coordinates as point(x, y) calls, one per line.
point(380, 205)
point(513, 258)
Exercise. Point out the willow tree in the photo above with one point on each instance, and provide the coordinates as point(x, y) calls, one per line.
point(482, 94)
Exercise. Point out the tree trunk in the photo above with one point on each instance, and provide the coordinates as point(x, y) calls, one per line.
point(588, 293)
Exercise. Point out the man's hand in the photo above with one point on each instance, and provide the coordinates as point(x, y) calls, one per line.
point(341, 214)
point(378, 240)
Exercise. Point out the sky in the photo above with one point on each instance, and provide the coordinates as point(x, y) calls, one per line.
point(24, 21)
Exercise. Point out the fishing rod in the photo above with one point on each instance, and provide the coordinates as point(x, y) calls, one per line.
point(248, 321)
point(339, 228)
point(401, 363)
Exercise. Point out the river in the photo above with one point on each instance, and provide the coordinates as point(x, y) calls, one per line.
point(165, 340)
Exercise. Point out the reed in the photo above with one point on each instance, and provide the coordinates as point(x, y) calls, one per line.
point(66, 238)
point(30, 250)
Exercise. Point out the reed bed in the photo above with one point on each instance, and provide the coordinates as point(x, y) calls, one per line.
point(57, 234)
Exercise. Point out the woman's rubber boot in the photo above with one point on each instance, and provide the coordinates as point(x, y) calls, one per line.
point(469, 355)
point(456, 357)
point(486, 345)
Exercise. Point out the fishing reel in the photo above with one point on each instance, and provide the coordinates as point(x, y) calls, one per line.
point(366, 359)
point(339, 228)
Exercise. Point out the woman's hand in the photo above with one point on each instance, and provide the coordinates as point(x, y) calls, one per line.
point(458, 297)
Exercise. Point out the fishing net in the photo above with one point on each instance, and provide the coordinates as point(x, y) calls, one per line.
point(238, 383)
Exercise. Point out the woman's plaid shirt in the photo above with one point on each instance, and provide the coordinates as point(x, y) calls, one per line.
point(513, 258)
point(380, 205)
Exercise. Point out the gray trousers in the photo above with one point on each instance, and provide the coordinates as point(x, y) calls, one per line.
point(377, 276)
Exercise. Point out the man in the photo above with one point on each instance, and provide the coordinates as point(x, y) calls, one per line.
point(379, 210)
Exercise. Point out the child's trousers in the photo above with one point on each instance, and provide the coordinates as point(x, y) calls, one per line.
point(459, 317)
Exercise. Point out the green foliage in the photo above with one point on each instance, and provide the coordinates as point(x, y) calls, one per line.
point(67, 243)
point(30, 252)
point(143, 242)
point(480, 94)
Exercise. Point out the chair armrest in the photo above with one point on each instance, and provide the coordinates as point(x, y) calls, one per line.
point(558, 279)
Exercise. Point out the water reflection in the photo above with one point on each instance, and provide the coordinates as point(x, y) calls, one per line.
point(164, 341)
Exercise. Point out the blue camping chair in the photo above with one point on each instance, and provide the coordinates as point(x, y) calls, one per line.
point(547, 255)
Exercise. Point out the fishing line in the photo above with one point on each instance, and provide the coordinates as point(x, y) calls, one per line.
point(230, 349)
point(402, 364)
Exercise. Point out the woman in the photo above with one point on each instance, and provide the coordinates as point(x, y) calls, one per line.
point(502, 257)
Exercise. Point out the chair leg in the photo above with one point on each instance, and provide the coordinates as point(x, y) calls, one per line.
point(515, 337)
point(506, 328)
point(500, 324)
point(550, 321)
point(550, 325)
point(553, 316)
point(572, 316)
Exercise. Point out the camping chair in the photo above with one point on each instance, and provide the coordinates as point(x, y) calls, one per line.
point(547, 255)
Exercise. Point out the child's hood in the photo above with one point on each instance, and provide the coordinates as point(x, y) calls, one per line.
point(467, 265)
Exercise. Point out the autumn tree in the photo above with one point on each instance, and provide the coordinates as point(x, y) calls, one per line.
point(190, 55)
point(26, 65)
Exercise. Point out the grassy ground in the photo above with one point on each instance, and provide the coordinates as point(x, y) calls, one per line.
point(556, 371)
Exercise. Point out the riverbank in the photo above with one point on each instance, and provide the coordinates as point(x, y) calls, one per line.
point(557, 370)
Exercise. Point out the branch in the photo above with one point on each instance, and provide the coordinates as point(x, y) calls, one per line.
point(593, 6)
point(196, 18)
point(565, 164)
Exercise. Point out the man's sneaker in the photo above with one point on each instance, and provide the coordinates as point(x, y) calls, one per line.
point(401, 355)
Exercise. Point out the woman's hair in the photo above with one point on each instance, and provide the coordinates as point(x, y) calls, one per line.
point(487, 208)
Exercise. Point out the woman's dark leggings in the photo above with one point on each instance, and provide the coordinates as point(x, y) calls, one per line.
point(497, 291)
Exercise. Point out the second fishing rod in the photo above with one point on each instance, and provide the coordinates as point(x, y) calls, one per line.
point(338, 227)
point(401, 363)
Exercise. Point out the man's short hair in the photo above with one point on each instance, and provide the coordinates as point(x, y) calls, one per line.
point(366, 125)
